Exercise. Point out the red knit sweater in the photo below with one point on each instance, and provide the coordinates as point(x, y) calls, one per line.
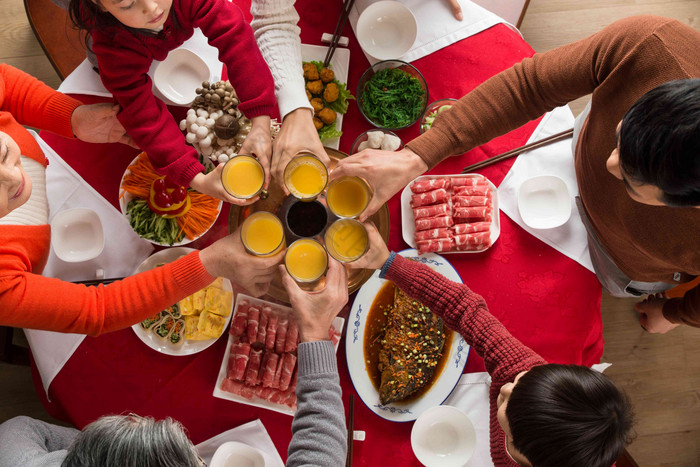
point(29, 300)
point(466, 312)
point(124, 57)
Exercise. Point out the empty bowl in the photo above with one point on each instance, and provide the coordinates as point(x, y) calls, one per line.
point(179, 75)
point(77, 235)
point(386, 29)
point(443, 436)
point(235, 454)
point(544, 202)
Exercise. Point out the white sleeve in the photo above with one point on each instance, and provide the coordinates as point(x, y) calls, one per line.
point(275, 26)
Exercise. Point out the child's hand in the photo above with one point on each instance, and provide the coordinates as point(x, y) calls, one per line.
point(259, 143)
point(210, 184)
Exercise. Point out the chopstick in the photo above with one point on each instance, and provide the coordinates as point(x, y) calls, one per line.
point(351, 430)
point(347, 6)
point(99, 281)
point(516, 151)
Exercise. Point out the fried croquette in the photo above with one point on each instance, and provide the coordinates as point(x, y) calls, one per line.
point(318, 123)
point(308, 95)
point(331, 93)
point(315, 87)
point(327, 75)
point(310, 72)
point(327, 116)
point(317, 104)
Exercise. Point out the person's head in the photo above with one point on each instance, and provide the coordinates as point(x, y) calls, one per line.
point(570, 415)
point(137, 14)
point(15, 184)
point(658, 146)
point(132, 441)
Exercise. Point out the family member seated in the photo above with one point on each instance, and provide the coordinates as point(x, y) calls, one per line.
point(319, 434)
point(635, 154)
point(541, 414)
point(30, 300)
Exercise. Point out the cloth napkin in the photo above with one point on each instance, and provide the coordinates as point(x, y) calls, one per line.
point(437, 27)
point(557, 159)
point(253, 434)
point(84, 80)
point(124, 250)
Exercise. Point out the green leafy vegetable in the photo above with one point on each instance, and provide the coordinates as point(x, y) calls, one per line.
point(393, 98)
point(329, 132)
point(150, 225)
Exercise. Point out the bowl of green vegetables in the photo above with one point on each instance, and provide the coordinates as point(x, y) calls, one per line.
point(392, 94)
point(432, 111)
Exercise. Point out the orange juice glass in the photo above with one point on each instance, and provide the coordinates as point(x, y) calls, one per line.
point(262, 234)
point(306, 260)
point(346, 240)
point(305, 176)
point(243, 177)
point(348, 196)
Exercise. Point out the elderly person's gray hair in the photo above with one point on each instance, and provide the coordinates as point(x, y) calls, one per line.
point(132, 441)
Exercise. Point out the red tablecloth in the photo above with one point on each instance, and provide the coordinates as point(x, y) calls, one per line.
point(547, 300)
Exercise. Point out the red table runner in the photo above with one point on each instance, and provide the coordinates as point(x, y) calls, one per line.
point(547, 300)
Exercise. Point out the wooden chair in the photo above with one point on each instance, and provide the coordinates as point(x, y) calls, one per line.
point(512, 11)
point(626, 460)
point(62, 44)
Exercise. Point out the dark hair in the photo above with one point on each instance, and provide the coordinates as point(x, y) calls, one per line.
point(569, 415)
point(660, 141)
point(88, 15)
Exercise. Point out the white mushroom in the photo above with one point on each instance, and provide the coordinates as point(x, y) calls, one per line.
point(183, 125)
point(191, 138)
point(202, 132)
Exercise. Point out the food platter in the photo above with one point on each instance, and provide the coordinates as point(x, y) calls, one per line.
point(356, 277)
point(354, 350)
point(149, 338)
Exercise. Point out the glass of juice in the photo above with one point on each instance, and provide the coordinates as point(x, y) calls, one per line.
point(306, 260)
point(348, 196)
point(346, 240)
point(243, 177)
point(305, 176)
point(262, 234)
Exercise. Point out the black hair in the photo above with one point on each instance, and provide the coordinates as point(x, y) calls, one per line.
point(660, 141)
point(569, 415)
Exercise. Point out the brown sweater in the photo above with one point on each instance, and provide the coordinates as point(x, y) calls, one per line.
point(617, 65)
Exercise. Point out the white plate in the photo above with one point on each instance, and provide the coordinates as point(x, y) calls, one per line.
point(340, 64)
point(125, 197)
point(256, 402)
point(443, 436)
point(179, 75)
point(386, 30)
point(235, 454)
point(148, 337)
point(544, 202)
point(77, 235)
point(408, 223)
point(354, 349)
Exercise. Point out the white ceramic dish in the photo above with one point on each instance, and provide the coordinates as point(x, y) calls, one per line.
point(148, 337)
point(544, 202)
point(386, 30)
point(443, 436)
point(340, 64)
point(354, 350)
point(408, 223)
point(179, 75)
point(257, 402)
point(235, 454)
point(77, 235)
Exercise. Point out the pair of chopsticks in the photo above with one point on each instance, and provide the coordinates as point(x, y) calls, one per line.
point(347, 6)
point(98, 281)
point(516, 151)
point(351, 430)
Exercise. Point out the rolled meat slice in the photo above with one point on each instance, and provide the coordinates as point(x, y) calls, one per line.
point(262, 328)
point(433, 246)
point(478, 190)
point(253, 322)
point(241, 356)
point(471, 201)
point(475, 213)
point(269, 368)
point(251, 373)
point(477, 247)
point(278, 373)
point(292, 337)
point(288, 365)
point(281, 340)
point(429, 197)
point(234, 387)
point(467, 181)
point(471, 227)
point(271, 332)
point(442, 209)
point(239, 321)
point(421, 186)
point(429, 223)
point(480, 238)
point(431, 234)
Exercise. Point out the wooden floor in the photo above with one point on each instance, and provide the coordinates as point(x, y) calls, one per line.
point(660, 373)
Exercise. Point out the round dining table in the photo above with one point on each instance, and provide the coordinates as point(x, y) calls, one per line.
point(547, 300)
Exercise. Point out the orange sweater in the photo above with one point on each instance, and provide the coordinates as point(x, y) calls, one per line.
point(32, 301)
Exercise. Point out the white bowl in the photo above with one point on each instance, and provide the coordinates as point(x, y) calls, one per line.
point(235, 454)
point(179, 75)
point(77, 235)
point(386, 30)
point(443, 436)
point(544, 202)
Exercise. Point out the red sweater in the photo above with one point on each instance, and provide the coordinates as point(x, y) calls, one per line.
point(466, 312)
point(125, 55)
point(29, 300)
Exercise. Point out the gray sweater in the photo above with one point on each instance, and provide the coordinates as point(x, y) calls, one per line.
point(319, 433)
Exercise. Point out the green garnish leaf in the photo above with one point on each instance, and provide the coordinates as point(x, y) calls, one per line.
point(329, 132)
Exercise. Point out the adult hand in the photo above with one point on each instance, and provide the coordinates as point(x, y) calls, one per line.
point(387, 172)
point(210, 184)
point(259, 143)
point(227, 258)
point(315, 310)
point(651, 315)
point(298, 133)
point(456, 9)
point(377, 253)
point(97, 123)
